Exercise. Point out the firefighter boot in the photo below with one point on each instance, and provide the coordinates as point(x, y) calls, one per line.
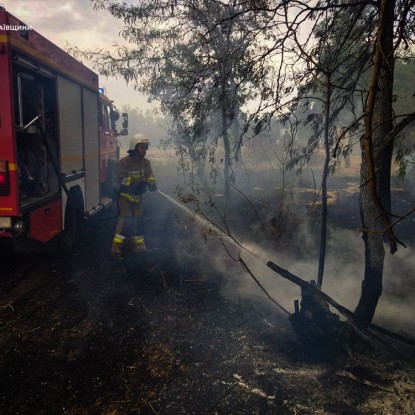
point(138, 244)
point(117, 243)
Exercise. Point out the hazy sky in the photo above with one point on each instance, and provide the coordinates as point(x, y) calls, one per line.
point(77, 23)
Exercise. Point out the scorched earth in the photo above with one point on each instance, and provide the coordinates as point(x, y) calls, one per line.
point(155, 334)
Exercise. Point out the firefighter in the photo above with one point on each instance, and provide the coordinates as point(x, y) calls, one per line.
point(134, 177)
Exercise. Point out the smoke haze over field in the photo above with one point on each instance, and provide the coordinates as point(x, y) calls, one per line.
point(298, 254)
point(342, 279)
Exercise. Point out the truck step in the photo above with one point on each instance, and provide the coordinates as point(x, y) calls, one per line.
point(106, 202)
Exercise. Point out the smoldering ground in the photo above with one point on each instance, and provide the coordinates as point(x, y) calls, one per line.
point(185, 324)
point(212, 253)
point(258, 196)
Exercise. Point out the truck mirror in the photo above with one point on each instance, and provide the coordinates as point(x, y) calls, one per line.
point(124, 121)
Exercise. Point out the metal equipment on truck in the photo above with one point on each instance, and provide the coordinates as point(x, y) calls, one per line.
point(58, 140)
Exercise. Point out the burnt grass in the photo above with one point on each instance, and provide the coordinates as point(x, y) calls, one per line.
point(154, 334)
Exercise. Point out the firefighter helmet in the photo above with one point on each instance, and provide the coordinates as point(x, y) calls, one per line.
point(138, 139)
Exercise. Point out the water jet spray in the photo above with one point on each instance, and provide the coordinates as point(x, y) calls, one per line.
point(210, 225)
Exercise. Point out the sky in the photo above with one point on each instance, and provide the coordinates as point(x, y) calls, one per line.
point(77, 23)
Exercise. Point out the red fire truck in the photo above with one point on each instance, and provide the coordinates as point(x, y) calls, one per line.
point(58, 140)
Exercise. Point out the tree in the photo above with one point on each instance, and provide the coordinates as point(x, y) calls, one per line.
point(325, 94)
point(195, 58)
point(377, 149)
point(393, 23)
point(380, 28)
point(404, 102)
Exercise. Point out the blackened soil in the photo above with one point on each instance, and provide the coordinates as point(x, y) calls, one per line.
point(82, 334)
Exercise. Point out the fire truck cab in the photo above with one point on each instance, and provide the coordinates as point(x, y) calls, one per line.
point(58, 140)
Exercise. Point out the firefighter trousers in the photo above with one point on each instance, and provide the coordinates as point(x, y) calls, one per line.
point(129, 225)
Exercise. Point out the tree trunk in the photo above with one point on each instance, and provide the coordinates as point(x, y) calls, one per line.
point(236, 135)
point(226, 139)
point(227, 158)
point(376, 163)
point(324, 209)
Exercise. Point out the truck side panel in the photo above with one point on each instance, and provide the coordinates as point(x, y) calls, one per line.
point(70, 126)
point(91, 145)
point(9, 203)
point(46, 222)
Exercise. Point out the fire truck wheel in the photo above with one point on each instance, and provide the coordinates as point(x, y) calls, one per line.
point(68, 236)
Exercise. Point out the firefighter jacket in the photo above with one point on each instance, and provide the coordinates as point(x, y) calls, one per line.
point(134, 174)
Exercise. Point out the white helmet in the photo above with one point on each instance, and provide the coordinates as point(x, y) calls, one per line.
point(138, 139)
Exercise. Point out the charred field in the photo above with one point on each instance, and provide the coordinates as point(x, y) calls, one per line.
point(171, 333)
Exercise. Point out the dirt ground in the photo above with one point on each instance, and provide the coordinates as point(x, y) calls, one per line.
point(154, 334)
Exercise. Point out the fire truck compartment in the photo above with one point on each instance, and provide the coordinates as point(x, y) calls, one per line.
point(46, 221)
point(35, 122)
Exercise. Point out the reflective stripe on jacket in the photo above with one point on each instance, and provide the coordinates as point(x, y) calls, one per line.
point(133, 169)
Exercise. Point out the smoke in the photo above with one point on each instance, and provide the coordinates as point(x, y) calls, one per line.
point(212, 254)
point(207, 251)
point(396, 304)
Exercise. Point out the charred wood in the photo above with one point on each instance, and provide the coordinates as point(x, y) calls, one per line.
point(316, 325)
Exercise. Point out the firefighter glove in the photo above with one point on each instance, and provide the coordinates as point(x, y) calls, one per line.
point(152, 187)
point(139, 187)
